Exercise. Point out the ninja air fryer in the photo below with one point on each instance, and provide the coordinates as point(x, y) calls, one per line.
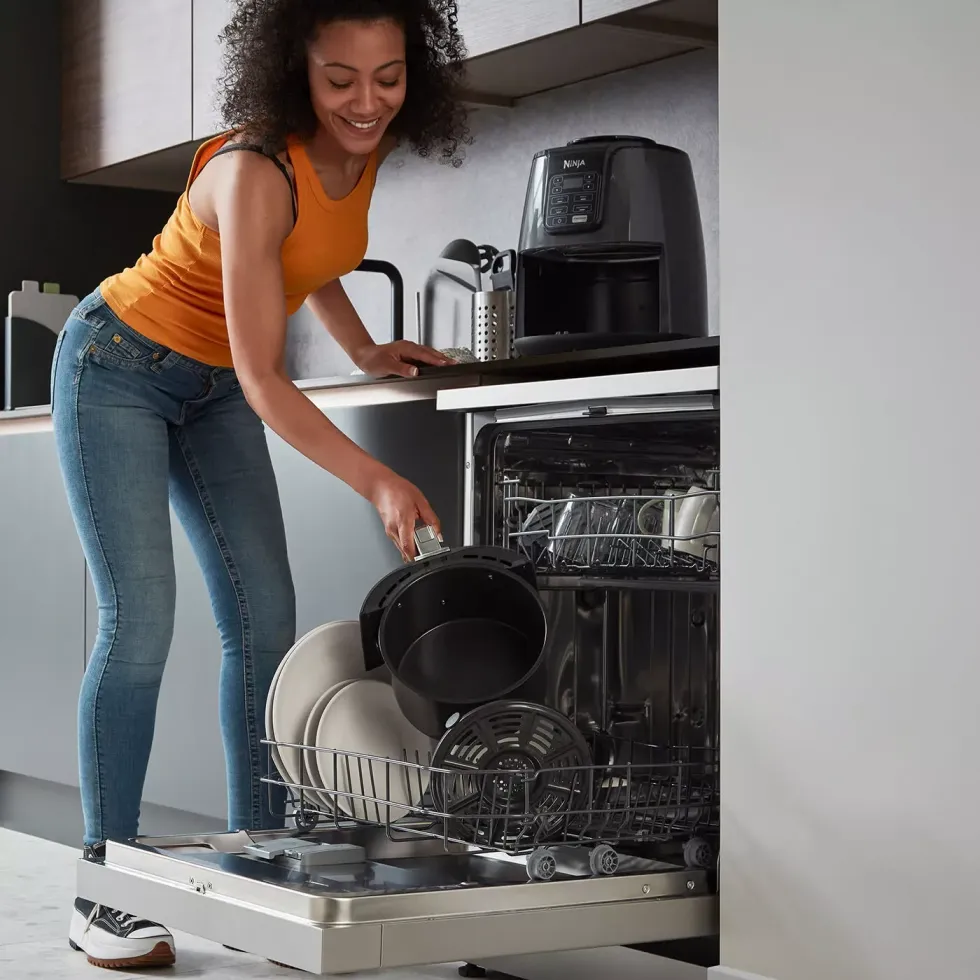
point(611, 251)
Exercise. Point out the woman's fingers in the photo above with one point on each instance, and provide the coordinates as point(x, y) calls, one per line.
point(401, 368)
point(428, 515)
point(424, 355)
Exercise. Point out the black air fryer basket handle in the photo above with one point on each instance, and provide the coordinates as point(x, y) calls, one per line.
point(397, 293)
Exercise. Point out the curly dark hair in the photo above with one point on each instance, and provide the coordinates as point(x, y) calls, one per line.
point(265, 86)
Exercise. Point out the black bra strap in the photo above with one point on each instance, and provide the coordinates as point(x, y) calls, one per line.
point(255, 148)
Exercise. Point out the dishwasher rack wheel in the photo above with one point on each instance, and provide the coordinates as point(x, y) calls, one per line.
point(603, 860)
point(541, 865)
point(698, 853)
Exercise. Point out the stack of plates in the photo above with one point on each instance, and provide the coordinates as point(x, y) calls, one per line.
point(327, 715)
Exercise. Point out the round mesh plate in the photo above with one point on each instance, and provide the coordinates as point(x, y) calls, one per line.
point(514, 771)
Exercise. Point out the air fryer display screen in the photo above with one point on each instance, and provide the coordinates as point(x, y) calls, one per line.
point(572, 183)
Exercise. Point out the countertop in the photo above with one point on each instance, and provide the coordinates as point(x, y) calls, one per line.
point(359, 390)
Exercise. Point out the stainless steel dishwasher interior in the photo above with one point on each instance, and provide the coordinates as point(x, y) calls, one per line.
point(633, 625)
point(632, 659)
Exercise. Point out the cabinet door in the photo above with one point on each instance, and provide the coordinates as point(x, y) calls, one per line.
point(42, 613)
point(126, 80)
point(210, 18)
point(489, 26)
point(597, 9)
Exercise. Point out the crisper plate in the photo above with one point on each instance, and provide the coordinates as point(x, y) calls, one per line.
point(408, 904)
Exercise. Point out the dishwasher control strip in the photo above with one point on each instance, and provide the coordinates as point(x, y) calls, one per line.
point(589, 391)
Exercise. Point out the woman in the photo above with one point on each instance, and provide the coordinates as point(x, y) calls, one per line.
point(165, 374)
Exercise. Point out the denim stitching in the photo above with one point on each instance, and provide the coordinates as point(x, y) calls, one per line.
point(96, 711)
point(248, 674)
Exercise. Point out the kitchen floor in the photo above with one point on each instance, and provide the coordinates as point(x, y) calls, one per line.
point(37, 888)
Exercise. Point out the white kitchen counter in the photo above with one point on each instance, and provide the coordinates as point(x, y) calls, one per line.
point(37, 888)
point(326, 393)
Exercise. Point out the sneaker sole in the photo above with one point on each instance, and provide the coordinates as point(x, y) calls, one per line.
point(162, 955)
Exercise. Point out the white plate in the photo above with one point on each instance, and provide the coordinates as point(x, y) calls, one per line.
point(312, 771)
point(325, 656)
point(365, 718)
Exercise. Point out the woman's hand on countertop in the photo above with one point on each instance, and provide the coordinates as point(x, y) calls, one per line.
point(401, 505)
point(399, 358)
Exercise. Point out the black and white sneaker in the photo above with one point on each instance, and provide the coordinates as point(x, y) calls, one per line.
point(116, 940)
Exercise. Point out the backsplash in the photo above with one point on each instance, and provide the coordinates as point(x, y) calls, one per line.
point(420, 205)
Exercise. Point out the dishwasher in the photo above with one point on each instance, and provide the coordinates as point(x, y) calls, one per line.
point(589, 821)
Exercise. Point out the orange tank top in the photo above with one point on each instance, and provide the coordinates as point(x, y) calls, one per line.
point(173, 294)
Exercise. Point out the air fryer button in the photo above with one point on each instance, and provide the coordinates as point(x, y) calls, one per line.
point(559, 199)
point(582, 198)
point(588, 186)
point(582, 209)
point(557, 221)
point(559, 210)
point(579, 219)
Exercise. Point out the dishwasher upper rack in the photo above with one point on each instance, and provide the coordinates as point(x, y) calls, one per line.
point(649, 795)
point(670, 532)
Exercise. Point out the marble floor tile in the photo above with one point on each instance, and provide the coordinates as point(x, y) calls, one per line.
point(37, 889)
point(50, 961)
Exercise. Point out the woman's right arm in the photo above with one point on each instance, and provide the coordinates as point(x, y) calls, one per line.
point(254, 215)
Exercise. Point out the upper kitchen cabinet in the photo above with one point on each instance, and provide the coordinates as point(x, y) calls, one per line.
point(141, 76)
point(210, 18)
point(695, 19)
point(545, 44)
point(126, 81)
point(486, 27)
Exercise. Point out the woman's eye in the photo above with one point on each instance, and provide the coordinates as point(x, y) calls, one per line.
point(340, 85)
point(387, 84)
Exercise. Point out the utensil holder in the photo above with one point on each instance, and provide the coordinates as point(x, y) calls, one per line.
point(493, 324)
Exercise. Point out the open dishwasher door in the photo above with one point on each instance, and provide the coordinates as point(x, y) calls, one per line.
point(405, 904)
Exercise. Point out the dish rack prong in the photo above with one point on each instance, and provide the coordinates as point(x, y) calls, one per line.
point(669, 528)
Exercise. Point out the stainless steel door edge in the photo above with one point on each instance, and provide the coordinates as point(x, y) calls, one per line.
point(283, 938)
point(342, 949)
point(242, 880)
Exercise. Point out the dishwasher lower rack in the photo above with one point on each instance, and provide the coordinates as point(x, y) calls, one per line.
point(561, 817)
point(404, 904)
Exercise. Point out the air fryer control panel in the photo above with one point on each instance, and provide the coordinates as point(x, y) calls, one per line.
point(573, 189)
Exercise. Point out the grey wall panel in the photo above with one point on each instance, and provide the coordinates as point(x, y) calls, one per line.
point(850, 634)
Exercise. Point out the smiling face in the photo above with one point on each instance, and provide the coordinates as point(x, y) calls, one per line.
point(357, 80)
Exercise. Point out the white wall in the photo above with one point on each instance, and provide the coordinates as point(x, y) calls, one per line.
point(419, 206)
point(850, 209)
